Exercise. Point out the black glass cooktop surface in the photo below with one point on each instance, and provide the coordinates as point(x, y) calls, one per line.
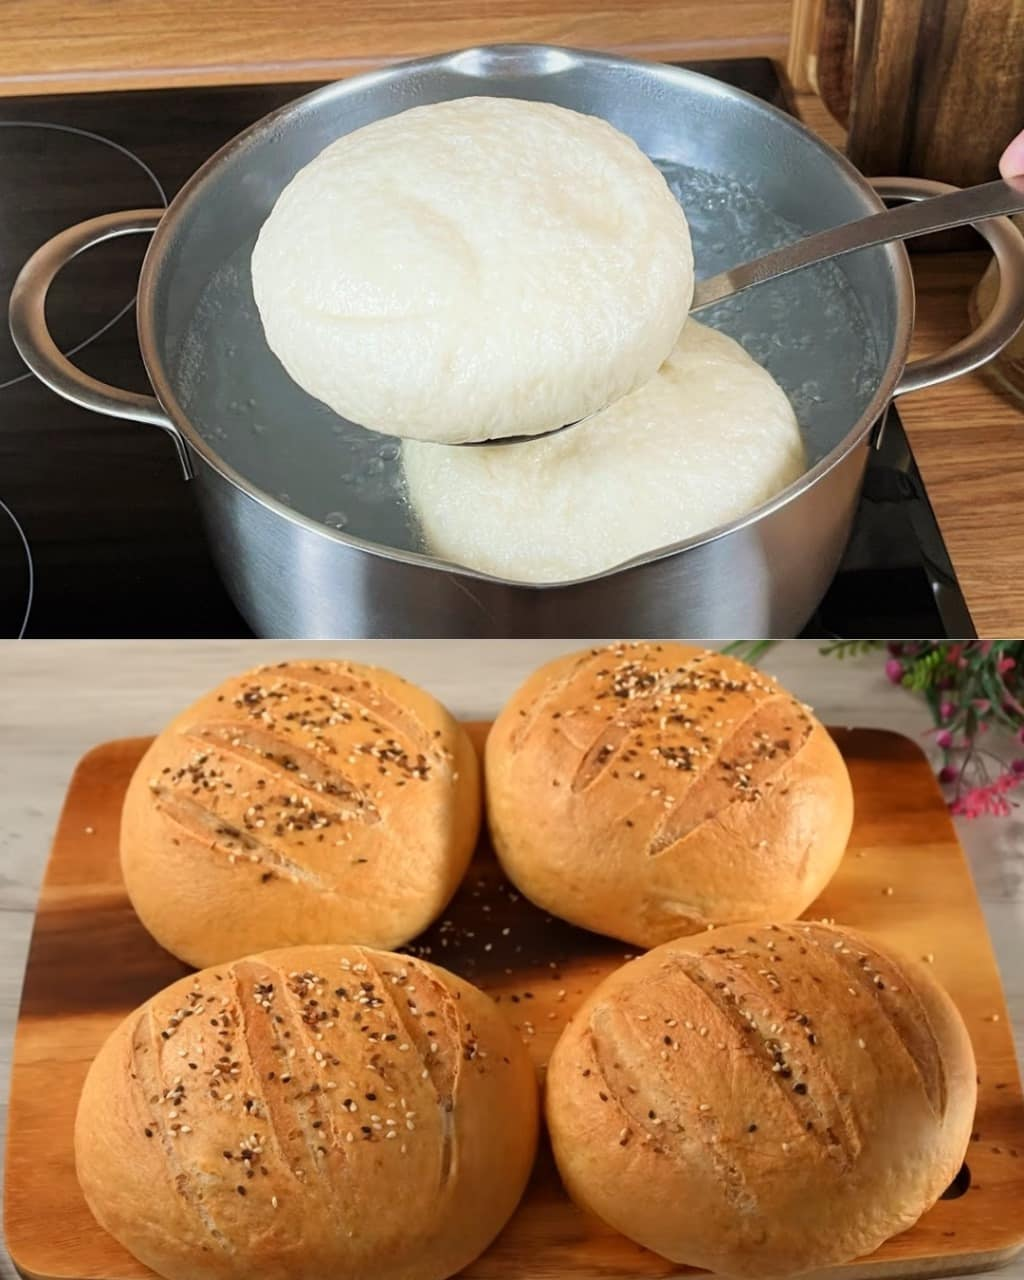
point(116, 543)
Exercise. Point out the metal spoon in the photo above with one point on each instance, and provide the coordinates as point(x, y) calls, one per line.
point(939, 213)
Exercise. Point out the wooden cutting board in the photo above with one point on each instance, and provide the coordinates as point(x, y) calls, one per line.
point(904, 878)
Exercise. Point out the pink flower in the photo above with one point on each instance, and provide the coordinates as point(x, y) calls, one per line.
point(947, 710)
point(947, 773)
point(944, 739)
point(982, 704)
point(894, 671)
point(1005, 664)
point(988, 799)
point(1017, 766)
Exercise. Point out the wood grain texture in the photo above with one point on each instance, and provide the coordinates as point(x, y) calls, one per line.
point(968, 438)
point(836, 57)
point(938, 87)
point(57, 698)
point(1007, 371)
point(63, 45)
point(804, 39)
point(967, 435)
point(540, 969)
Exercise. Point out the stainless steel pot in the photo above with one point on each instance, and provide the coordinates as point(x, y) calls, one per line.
point(267, 461)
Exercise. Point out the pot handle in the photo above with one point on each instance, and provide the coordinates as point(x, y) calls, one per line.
point(1007, 314)
point(42, 355)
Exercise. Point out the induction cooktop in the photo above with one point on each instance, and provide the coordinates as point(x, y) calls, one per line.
point(95, 518)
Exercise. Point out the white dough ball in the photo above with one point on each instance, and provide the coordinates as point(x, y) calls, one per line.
point(709, 438)
point(477, 268)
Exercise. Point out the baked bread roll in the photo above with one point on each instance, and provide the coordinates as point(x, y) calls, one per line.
point(710, 437)
point(475, 268)
point(308, 1113)
point(304, 802)
point(650, 790)
point(762, 1101)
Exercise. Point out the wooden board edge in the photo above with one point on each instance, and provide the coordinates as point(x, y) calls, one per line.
point(901, 745)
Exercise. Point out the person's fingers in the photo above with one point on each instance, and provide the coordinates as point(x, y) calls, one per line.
point(1012, 163)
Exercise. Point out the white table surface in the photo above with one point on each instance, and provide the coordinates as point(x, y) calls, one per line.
point(58, 698)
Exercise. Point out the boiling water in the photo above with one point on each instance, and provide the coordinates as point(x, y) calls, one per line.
point(807, 329)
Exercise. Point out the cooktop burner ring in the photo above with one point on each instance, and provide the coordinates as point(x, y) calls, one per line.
point(117, 547)
point(137, 160)
point(29, 566)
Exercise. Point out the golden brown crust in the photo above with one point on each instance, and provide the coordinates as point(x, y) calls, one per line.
point(309, 1112)
point(762, 1100)
point(307, 802)
point(649, 790)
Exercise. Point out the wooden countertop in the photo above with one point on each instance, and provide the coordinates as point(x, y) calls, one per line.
point(50, 46)
point(967, 436)
point(62, 697)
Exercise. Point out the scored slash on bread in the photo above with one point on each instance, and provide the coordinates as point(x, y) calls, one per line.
point(763, 1101)
point(309, 1112)
point(650, 790)
point(306, 802)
